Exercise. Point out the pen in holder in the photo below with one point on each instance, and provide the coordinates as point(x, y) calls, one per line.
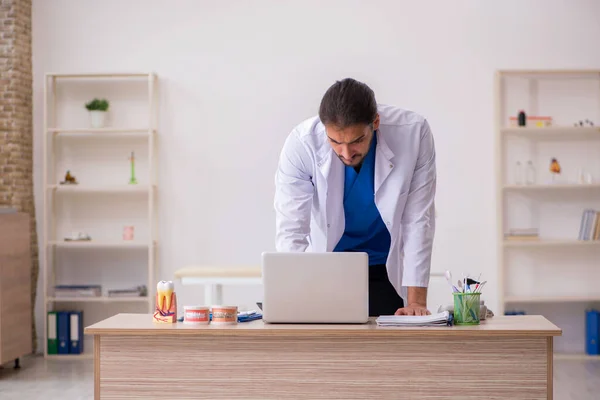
point(466, 308)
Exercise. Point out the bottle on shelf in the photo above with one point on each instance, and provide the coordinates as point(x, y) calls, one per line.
point(518, 173)
point(530, 174)
point(522, 118)
point(581, 176)
point(584, 176)
point(588, 178)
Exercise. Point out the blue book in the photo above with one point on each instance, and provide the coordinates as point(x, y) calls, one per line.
point(592, 331)
point(76, 332)
point(63, 332)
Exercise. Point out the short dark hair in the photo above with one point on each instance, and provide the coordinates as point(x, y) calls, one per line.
point(348, 102)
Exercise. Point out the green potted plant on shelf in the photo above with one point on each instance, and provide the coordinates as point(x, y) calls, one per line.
point(98, 109)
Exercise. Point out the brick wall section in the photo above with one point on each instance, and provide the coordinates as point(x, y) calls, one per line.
point(16, 127)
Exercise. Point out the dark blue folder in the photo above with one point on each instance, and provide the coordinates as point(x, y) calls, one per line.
point(592, 332)
point(76, 329)
point(63, 332)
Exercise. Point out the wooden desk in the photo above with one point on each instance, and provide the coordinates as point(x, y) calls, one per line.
point(506, 357)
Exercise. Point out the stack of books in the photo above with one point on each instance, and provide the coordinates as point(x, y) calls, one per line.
point(62, 291)
point(589, 228)
point(139, 291)
point(522, 234)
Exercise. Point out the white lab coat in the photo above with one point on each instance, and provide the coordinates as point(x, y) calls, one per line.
point(309, 193)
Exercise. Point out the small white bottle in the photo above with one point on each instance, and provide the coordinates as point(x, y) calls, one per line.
point(530, 173)
point(580, 176)
point(518, 173)
point(588, 178)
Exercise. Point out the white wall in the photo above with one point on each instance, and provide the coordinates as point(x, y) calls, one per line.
point(236, 76)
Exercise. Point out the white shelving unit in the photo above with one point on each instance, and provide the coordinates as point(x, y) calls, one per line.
point(556, 274)
point(104, 201)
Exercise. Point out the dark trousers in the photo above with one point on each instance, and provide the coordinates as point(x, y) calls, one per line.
point(383, 298)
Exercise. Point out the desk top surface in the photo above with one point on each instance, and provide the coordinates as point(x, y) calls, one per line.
point(143, 325)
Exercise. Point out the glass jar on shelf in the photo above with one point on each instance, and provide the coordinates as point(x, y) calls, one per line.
point(518, 174)
point(530, 174)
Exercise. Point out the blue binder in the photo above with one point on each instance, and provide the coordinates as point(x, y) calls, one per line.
point(592, 332)
point(63, 332)
point(76, 332)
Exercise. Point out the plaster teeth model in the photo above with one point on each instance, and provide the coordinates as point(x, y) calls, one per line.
point(166, 302)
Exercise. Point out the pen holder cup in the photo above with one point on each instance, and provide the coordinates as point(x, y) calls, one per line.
point(466, 308)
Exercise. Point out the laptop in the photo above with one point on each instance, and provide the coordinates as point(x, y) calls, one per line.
point(330, 288)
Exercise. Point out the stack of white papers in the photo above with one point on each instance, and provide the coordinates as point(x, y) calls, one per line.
point(439, 319)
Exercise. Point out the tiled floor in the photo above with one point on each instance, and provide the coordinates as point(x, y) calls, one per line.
point(48, 379)
point(576, 379)
point(73, 380)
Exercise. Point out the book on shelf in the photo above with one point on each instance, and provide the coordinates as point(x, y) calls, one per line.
point(592, 332)
point(139, 291)
point(77, 291)
point(589, 228)
point(52, 333)
point(521, 237)
point(65, 332)
point(522, 234)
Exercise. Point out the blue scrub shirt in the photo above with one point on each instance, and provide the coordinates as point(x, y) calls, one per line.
point(364, 228)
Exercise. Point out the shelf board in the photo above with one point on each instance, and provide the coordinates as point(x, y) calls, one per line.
point(102, 132)
point(550, 243)
point(102, 189)
point(576, 356)
point(102, 75)
point(554, 132)
point(97, 299)
point(63, 357)
point(97, 244)
point(549, 72)
point(551, 187)
point(553, 299)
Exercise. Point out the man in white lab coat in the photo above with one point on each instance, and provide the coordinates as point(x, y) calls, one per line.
point(361, 176)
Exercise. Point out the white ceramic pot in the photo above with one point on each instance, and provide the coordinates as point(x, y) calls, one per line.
point(98, 119)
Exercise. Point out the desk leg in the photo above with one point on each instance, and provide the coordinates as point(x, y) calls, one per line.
point(550, 349)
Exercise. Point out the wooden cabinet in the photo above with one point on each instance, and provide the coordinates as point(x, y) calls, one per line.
point(15, 287)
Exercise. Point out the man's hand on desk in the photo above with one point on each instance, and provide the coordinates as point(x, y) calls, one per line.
point(417, 300)
point(413, 309)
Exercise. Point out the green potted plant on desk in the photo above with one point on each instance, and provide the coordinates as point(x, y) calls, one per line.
point(98, 109)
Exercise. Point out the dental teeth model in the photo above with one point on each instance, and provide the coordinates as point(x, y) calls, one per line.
point(166, 303)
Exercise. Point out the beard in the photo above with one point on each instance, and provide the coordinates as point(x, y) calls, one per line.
point(356, 161)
